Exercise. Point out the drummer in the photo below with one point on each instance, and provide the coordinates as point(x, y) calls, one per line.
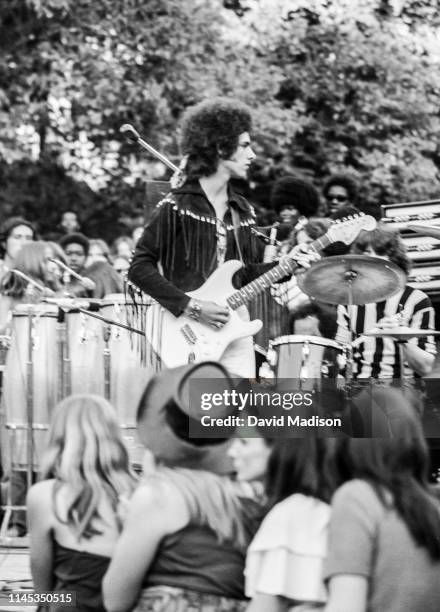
point(377, 357)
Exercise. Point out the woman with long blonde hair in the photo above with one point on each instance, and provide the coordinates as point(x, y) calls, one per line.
point(34, 260)
point(73, 512)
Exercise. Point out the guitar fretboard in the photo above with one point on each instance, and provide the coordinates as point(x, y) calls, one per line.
point(260, 284)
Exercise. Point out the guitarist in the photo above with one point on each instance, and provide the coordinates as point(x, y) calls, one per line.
point(204, 222)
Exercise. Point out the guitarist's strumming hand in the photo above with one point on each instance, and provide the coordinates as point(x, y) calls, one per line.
point(209, 313)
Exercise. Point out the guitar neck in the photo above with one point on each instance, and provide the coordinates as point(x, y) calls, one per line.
point(260, 284)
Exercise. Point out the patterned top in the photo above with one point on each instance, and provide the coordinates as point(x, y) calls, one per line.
point(379, 357)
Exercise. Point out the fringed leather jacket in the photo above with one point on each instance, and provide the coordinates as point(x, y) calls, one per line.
point(182, 239)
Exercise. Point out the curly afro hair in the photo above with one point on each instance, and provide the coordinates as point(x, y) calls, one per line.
point(210, 132)
point(290, 191)
point(345, 181)
point(75, 238)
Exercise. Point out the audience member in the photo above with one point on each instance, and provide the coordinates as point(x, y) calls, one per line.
point(340, 190)
point(76, 249)
point(73, 512)
point(384, 535)
point(69, 222)
point(123, 247)
point(14, 233)
point(33, 260)
point(285, 559)
point(294, 200)
point(98, 251)
point(121, 265)
point(184, 540)
point(105, 277)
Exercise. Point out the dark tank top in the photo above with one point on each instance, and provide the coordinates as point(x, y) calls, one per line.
point(82, 573)
point(194, 559)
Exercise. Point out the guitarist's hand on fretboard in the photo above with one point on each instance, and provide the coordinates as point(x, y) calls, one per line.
point(303, 256)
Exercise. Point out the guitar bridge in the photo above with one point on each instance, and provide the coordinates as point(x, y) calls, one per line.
point(188, 334)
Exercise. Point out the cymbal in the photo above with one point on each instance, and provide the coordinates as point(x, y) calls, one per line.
point(401, 333)
point(370, 279)
point(427, 230)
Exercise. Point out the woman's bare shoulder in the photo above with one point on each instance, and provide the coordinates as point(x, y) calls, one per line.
point(158, 496)
point(41, 493)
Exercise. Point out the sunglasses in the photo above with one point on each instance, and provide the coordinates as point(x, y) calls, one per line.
point(337, 198)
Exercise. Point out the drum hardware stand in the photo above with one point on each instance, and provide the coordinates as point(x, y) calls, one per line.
point(304, 376)
point(65, 387)
point(110, 321)
point(30, 402)
point(106, 333)
point(349, 277)
point(28, 427)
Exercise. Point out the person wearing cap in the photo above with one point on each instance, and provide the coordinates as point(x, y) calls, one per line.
point(188, 524)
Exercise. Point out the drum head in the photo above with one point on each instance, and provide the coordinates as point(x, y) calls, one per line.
point(300, 339)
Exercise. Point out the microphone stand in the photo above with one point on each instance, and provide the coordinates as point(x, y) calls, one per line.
point(30, 401)
point(31, 281)
point(64, 352)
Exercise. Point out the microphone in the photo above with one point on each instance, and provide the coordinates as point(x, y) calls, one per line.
point(133, 134)
point(65, 267)
point(86, 282)
point(271, 250)
point(129, 131)
point(71, 303)
point(32, 282)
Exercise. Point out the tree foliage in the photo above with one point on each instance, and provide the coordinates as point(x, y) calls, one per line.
point(334, 84)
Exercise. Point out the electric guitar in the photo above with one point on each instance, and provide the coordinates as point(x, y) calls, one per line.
point(184, 340)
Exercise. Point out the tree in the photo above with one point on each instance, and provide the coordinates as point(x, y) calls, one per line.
point(334, 85)
point(358, 88)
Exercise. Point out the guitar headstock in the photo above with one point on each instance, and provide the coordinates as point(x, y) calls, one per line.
point(346, 230)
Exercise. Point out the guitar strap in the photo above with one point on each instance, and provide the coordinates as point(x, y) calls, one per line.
point(236, 224)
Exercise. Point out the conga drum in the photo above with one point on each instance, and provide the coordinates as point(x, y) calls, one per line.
point(129, 373)
point(31, 383)
point(305, 358)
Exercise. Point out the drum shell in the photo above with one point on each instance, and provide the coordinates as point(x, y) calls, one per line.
point(84, 368)
point(312, 357)
point(128, 375)
point(30, 378)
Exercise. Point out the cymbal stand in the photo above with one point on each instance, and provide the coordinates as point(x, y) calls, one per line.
point(350, 276)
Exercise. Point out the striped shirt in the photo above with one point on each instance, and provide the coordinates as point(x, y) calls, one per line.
point(379, 357)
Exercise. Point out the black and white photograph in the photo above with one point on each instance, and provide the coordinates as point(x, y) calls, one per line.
point(219, 305)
